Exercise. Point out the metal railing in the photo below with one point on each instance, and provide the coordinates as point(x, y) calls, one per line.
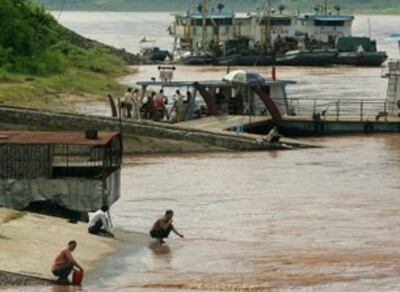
point(392, 68)
point(340, 109)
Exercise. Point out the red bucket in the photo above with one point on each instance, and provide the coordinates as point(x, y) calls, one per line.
point(77, 278)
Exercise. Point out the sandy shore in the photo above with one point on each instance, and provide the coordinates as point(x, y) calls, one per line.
point(29, 242)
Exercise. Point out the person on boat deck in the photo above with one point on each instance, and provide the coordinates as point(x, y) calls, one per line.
point(163, 227)
point(175, 112)
point(137, 104)
point(64, 263)
point(127, 103)
point(99, 223)
point(160, 101)
point(148, 107)
point(273, 136)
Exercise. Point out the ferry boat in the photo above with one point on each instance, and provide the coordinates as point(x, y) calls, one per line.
point(209, 36)
point(260, 103)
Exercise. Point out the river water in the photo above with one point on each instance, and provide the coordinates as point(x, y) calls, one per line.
point(323, 219)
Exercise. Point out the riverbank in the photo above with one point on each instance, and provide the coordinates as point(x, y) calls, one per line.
point(61, 91)
point(182, 5)
point(29, 242)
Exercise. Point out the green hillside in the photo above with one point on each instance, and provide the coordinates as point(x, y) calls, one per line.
point(39, 62)
point(381, 6)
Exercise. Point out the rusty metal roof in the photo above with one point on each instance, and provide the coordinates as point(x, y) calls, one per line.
point(68, 138)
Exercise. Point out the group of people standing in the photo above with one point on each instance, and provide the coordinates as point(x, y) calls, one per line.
point(131, 104)
point(155, 106)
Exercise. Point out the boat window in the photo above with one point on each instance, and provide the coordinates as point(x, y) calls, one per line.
point(281, 22)
point(329, 23)
point(219, 22)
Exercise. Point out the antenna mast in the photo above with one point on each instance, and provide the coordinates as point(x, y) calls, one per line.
point(204, 14)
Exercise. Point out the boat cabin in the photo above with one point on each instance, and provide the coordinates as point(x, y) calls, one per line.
point(324, 27)
point(78, 171)
point(214, 97)
point(193, 30)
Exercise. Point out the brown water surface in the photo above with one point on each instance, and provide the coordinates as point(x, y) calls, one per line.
point(305, 220)
point(326, 219)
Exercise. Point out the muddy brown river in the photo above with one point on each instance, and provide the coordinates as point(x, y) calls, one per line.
point(323, 219)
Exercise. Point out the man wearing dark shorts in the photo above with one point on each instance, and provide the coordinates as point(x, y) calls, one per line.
point(65, 262)
point(163, 227)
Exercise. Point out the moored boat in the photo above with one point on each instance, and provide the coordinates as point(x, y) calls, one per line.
point(359, 51)
point(371, 59)
point(154, 54)
point(246, 59)
point(307, 58)
point(259, 38)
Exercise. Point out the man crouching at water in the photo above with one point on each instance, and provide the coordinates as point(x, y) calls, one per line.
point(163, 226)
point(65, 262)
point(99, 223)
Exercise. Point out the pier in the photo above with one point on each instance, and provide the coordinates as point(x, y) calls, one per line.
point(145, 136)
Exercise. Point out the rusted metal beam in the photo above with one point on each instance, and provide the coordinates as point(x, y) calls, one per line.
point(114, 112)
point(213, 108)
point(269, 103)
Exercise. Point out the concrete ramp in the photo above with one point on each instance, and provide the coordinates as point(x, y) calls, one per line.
point(221, 123)
point(210, 133)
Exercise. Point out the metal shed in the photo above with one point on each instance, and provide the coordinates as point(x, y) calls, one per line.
point(66, 168)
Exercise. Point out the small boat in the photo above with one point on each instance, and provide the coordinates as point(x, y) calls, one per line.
point(149, 51)
point(359, 51)
point(307, 58)
point(197, 60)
point(246, 59)
point(154, 54)
point(371, 59)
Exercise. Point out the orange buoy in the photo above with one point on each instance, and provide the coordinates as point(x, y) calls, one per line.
point(273, 72)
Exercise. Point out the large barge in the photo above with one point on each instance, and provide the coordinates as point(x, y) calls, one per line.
point(206, 35)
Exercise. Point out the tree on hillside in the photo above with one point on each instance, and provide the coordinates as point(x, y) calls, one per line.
point(281, 8)
point(220, 6)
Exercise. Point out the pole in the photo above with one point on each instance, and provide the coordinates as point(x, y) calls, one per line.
point(326, 7)
point(249, 103)
point(361, 110)
point(120, 115)
point(203, 13)
point(268, 30)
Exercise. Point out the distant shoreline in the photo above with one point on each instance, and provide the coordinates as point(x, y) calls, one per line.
point(362, 12)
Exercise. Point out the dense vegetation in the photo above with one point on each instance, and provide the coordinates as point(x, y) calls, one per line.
point(32, 42)
point(39, 61)
point(243, 5)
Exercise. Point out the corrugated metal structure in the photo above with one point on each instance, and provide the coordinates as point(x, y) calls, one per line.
point(69, 169)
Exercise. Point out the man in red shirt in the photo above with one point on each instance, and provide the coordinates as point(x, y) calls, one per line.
point(65, 262)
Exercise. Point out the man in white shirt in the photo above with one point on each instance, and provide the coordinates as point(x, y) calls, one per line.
point(273, 136)
point(99, 223)
point(128, 103)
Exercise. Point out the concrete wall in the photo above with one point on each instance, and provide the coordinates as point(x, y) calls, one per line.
point(75, 122)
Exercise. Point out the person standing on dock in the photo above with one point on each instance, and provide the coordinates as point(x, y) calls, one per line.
point(160, 101)
point(64, 263)
point(176, 109)
point(163, 227)
point(127, 103)
point(137, 104)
